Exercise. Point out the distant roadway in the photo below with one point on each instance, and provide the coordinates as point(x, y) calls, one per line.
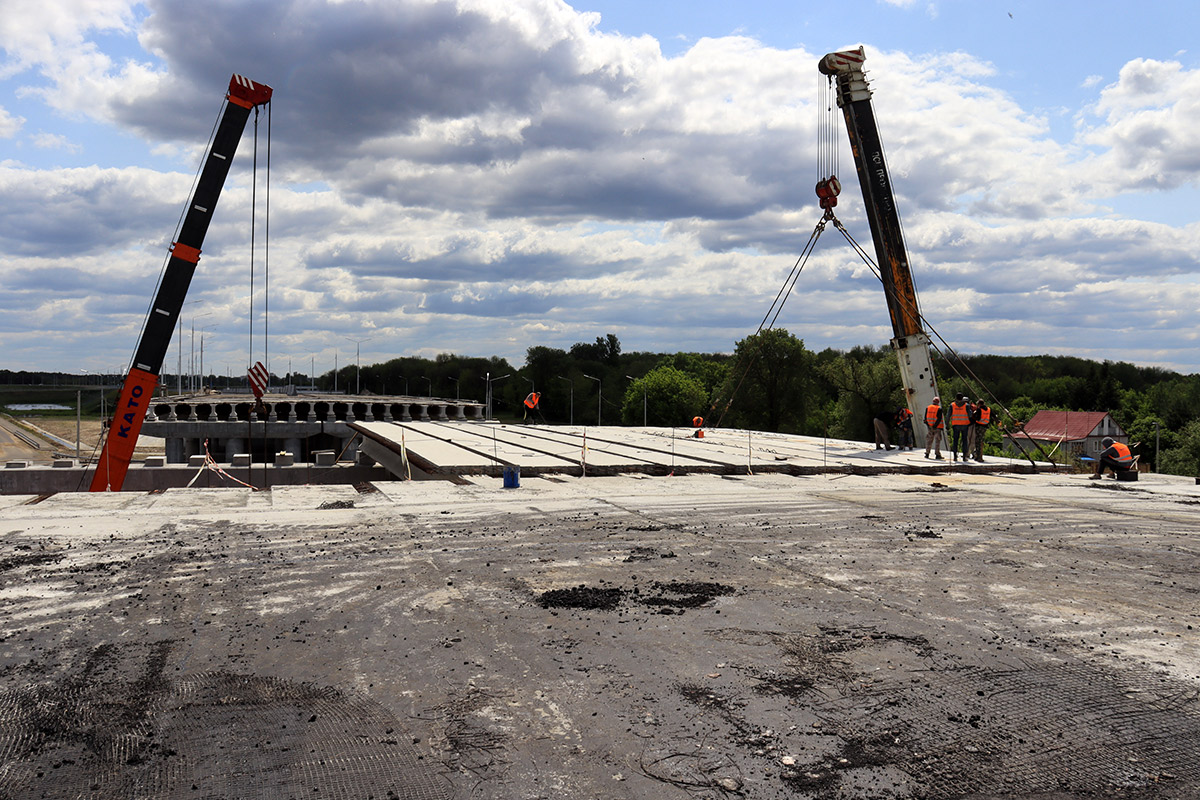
point(13, 448)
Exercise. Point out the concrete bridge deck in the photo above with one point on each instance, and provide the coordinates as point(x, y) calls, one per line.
point(445, 448)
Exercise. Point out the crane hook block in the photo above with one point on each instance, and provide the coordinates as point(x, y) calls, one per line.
point(828, 191)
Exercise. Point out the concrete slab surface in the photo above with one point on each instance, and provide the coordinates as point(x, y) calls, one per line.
point(474, 448)
point(715, 636)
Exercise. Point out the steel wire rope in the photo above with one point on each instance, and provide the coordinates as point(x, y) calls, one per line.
point(975, 381)
point(781, 297)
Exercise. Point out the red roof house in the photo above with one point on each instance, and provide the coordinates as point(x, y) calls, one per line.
point(1077, 433)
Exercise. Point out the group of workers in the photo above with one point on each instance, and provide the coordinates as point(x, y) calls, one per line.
point(968, 424)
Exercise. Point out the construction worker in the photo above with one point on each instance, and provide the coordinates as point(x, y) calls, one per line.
point(935, 427)
point(698, 424)
point(981, 417)
point(883, 424)
point(904, 427)
point(531, 403)
point(1115, 456)
point(960, 426)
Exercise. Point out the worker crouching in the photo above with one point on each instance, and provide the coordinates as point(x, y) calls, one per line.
point(1115, 456)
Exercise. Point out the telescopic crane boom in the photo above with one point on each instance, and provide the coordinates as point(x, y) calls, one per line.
point(244, 95)
point(910, 341)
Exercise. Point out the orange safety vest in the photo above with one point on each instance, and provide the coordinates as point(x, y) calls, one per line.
point(1123, 454)
point(697, 422)
point(985, 416)
point(903, 415)
point(532, 400)
point(933, 416)
point(959, 414)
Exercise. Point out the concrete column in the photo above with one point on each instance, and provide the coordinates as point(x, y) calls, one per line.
point(293, 445)
point(176, 452)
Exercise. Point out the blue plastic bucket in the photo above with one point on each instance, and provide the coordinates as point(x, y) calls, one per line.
point(512, 477)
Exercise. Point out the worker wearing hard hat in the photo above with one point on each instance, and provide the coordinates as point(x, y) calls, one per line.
point(935, 428)
point(1115, 456)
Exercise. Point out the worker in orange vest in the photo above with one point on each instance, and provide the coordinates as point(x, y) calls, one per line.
point(698, 424)
point(981, 417)
point(960, 426)
point(1116, 456)
point(904, 427)
point(934, 427)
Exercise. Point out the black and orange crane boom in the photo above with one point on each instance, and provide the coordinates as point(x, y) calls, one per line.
point(244, 96)
point(910, 341)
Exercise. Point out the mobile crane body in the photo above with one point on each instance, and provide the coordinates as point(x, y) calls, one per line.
point(910, 342)
point(138, 389)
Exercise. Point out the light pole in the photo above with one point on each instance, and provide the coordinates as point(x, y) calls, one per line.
point(643, 400)
point(401, 377)
point(192, 356)
point(599, 396)
point(357, 362)
point(490, 380)
point(1156, 469)
point(428, 385)
point(455, 388)
point(202, 330)
point(572, 383)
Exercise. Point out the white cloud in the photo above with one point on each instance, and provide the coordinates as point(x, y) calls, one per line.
point(10, 124)
point(54, 141)
point(480, 177)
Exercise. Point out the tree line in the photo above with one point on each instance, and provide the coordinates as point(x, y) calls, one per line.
point(773, 382)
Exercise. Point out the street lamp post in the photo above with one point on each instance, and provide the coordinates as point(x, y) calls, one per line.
point(357, 363)
point(428, 385)
point(455, 388)
point(490, 380)
point(643, 400)
point(572, 384)
point(401, 377)
point(599, 396)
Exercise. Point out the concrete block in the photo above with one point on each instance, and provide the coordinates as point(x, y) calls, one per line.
point(241, 460)
point(284, 459)
point(18, 465)
point(156, 461)
point(325, 458)
point(195, 461)
point(64, 463)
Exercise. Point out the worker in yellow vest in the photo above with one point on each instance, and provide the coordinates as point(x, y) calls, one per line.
point(981, 417)
point(960, 425)
point(935, 427)
point(1116, 456)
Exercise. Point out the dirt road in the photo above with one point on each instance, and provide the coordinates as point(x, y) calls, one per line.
point(758, 637)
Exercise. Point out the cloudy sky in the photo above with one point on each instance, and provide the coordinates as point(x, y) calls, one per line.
point(480, 176)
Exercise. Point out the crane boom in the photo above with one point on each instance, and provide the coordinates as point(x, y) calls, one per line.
point(910, 342)
point(244, 95)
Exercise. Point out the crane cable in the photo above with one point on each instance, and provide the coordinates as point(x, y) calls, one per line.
point(785, 291)
point(974, 381)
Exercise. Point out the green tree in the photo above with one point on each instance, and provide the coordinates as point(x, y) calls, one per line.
point(769, 385)
point(867, 383)
point(1184, 457)
point(664, 396)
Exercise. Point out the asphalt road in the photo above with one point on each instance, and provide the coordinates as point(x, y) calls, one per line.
point(13, 448)
point(626, 637)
